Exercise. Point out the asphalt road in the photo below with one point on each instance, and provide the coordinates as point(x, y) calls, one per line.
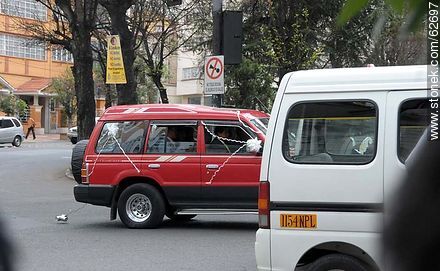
point(34, 189)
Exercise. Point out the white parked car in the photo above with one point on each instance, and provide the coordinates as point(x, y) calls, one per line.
point(72, 134)
point(11, 131)
point(335, 151)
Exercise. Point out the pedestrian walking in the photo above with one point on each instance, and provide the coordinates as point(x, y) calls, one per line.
point(31, 127)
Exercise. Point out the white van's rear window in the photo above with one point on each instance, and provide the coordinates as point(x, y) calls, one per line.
point(413, 120)
point(337, 132)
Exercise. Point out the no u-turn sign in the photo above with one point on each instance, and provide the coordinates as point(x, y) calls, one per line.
point(214, 71)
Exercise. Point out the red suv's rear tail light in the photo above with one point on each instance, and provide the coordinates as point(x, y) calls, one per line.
point(85, 173)
point(263, 205)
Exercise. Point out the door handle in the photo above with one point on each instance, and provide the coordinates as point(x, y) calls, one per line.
point(212, 166)
point(154, 166)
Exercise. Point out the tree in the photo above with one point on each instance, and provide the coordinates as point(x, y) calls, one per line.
point(414, 11)
point(291, 39)
point(12, 105)
point(250, 85)
point(390, 48)
point(127, 29)
point(71, 27)
point(64, 88)
point(164, 31)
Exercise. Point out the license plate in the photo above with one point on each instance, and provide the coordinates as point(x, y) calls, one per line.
point(299, 221)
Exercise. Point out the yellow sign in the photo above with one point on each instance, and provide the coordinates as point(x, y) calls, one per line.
point(115, 62)
point(299, 221)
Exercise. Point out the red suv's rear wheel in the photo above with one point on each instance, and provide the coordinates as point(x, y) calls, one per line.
point(141, 206)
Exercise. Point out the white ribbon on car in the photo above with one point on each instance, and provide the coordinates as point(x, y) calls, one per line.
point(112, 130)
point(252, 145)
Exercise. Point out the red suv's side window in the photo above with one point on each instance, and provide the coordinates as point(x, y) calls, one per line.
point(172, 138)
point(225, 138)
point(125, 135)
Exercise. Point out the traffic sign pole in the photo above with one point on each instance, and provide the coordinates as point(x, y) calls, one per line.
point(216, 41)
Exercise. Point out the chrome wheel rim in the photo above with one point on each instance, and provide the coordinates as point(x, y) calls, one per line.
point(17, 141)
point(138, 207)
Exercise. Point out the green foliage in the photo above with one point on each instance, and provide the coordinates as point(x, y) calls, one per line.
point(391, 48)
point(146, 90)
point(64, 88)
point(413, 10)
point(250, 85)
point(12, 105)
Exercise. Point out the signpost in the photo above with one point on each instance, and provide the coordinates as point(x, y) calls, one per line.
point(214, 70)
point(115, 73)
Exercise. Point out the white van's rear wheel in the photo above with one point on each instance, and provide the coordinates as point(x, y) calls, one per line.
point(337, 262)
point(141, 206)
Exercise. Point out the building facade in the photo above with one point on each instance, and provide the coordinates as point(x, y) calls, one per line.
point(28, 66)
point(188, 70)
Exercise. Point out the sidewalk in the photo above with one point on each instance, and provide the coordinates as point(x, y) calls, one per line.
point(44, 138)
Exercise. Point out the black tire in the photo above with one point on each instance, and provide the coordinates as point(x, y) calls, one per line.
point(77, 159)
point(74, 140)
point(135, 213)
point(337, 262)
point(180, 217)
point(17, 141)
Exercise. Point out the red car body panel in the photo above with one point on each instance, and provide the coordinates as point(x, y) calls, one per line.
point(184, 177)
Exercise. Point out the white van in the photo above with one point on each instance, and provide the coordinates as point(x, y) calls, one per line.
point(335, 148)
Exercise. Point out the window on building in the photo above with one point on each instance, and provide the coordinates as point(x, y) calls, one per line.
point(16, 46)
point(29, 9)
point(195, 100)
point(340, 132)
point(127, 135)
point(52, 105)
point(191, 73)
point(61, 54)
point(413, 120)
point(173, 138)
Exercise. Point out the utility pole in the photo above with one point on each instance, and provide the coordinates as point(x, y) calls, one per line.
point(217, 9)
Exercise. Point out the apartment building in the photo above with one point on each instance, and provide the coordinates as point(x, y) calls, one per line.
point(27, 66)
point(189, 80)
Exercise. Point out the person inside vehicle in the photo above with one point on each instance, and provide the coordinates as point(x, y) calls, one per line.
point(221, 133)
point(171, 144)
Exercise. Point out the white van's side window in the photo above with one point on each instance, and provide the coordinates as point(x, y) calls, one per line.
point(413, 120)
point(339, 132)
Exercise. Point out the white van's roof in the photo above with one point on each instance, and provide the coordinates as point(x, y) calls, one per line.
point(358, 79)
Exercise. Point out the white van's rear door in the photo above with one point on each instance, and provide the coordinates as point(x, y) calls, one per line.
point(407, 112)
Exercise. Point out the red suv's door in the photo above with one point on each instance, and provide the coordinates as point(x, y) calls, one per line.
point(228, 179)
point(172, 158)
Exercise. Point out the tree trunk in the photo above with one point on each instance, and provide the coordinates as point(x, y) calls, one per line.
point(108, 96)
point(84, 84)
point(157, 80)
point(126, 92)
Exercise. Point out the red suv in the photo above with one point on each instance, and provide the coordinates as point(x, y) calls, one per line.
point(147, 161)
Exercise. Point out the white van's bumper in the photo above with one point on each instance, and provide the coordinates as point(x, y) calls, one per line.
point(262, 250)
